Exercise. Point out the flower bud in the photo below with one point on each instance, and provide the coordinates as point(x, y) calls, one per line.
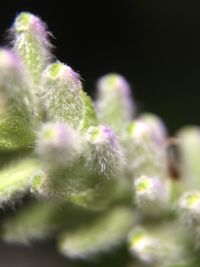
point(189, 215)
point(57, 144)
point(31, 42)
point(146, 155)
point(61, 94)
point(59, 151)
point(145, 247)
point(114, 103)
point(89, 116)
point(151, 195)
point(104, 152)
point(16, 113)
point(188, 144)
point(159, 131)
point(189, 206)
point(157, 248)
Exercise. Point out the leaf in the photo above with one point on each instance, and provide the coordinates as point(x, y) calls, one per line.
point(15, 180)
point(103, 235)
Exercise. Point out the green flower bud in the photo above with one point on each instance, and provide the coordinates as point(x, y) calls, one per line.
point(189, 206)
point(114, 104)
point(89, 117)
point(188, 144)
point(31, 41)
point(16, 112)
point(146, 154)
point(159, 131)
point(189, 215)
point(105, 155)
point(151, 195)
point(57, 145)
point(157, 248)
point(62, 89)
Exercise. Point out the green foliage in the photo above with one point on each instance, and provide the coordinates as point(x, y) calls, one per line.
point(100, 236)
point(96, 177)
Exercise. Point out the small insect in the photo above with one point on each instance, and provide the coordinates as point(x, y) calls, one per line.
point(173, 158)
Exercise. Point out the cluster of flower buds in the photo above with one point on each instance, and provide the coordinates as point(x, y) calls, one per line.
point(97, 176)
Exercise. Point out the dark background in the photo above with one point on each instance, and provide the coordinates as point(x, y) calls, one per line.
point(154, 44)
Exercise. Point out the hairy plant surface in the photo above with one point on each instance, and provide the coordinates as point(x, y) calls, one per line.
point(97, 176)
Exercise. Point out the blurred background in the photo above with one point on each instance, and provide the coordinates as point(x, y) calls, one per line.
point(154, 44)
